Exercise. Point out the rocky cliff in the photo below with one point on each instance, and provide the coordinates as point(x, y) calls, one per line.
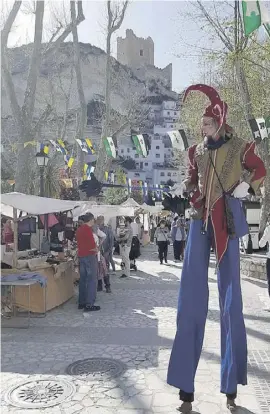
point(57, 77)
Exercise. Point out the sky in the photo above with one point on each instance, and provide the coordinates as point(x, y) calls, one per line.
point(165, 21)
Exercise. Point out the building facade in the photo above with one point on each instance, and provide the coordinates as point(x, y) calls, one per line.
point(134, 51)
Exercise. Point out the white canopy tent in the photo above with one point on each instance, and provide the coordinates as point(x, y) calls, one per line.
point(151, 209)
point(34, 206)
point(107, 211)
point(130, 202)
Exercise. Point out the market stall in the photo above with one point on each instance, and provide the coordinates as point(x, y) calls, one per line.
point(56, 275)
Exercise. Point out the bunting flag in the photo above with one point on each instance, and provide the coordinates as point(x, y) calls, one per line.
point(141, 143)
point(255, 14)
point(69, 161)
point(62, 146)
point(111, 177)
point(178, 139)
point(33, 143)
point(110, 147)
point(106, 175)
point(89, 146)
point(267, 125)
point(86, 145)
point(42, 148)
point(56, 146)
point(258, 127)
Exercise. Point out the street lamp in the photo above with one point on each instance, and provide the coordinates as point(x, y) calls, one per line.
point(42, 162)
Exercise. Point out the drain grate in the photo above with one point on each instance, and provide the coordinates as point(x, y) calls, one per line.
point(259, 362)
point(39, 394)
point(99, 369)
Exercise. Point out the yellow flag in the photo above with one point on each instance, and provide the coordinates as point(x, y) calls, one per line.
point(85, 168)
point(29, 143)
point(106, 175)
point(89, 144)
point(70, 162)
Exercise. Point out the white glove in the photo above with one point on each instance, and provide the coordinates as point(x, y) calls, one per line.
point(241, 190)
point(178, 189)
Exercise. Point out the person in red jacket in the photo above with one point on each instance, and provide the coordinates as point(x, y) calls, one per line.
point(87, 253)
point(222, 170)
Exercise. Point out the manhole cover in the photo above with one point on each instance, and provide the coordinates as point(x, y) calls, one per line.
point(96, 368)
point(40, 393)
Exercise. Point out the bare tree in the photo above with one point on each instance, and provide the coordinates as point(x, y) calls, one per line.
point(24, 116)
point(82, 116)
point(231, 36)
point(115, 17)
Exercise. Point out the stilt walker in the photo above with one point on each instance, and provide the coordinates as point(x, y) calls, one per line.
point(222, 170)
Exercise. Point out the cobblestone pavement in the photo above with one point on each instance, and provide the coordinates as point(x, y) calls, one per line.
point(136, 326)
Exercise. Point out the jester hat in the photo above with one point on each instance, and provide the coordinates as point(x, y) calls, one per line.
point(217, 108)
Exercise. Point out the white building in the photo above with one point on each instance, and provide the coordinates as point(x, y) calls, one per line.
point(163, 175)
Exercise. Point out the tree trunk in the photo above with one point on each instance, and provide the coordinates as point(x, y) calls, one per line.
point(82, 118)
point(262, 147)
point(103, 159)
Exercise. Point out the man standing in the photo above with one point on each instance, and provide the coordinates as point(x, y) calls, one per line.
point(124, 238)
point(108, 243)
point(87, 253)
point(222, 169)
point(178, 238)
point(262, 243)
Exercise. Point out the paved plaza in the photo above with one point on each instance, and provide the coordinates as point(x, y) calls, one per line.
point(131, 338)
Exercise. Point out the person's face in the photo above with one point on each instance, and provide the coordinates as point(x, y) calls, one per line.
point(100, 221)
point(209, 127)
point(91, 222)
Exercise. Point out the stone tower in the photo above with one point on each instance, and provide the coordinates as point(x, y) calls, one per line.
point(134, 51)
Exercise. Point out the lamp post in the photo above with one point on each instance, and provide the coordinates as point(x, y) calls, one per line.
point(42, 162)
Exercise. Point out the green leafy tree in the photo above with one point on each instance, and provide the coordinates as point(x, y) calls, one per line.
point(117, 195)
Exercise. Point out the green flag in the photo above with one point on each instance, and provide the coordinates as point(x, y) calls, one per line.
point(267, 125)
point(110, 147)
point(139, 142)
point(255, 14)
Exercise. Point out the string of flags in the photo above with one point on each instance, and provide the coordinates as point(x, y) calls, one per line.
point(260, 128)
point(143, 145)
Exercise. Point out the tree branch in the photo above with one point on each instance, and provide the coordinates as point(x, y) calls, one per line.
point(216, 26)
point(55, 45)
point(42, 119)
point(30, 92)
point(9, 23)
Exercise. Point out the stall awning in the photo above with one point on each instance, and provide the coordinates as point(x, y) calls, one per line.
point(37, 205)
point(34, 205)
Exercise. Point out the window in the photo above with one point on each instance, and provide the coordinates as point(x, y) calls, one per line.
point(122, 151)
point(162, 174)
point(136, 155)
point(174, 119)
point(175, 113)
point(157, 155)
point(146, 164)
point(134, 148)
point(128, 150)
point(169, 174)
point(157, 147)
point(171, 126)
point(141, 52)
point(137, 175)
point(168, 113)
point(174, 174)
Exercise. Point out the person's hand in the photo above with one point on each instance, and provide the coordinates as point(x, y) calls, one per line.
point(241, 191)
point(178, 189)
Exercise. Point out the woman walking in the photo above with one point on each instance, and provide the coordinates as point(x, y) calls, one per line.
point(162, 240)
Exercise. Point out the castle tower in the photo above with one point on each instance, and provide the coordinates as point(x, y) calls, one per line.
point(134, 51)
